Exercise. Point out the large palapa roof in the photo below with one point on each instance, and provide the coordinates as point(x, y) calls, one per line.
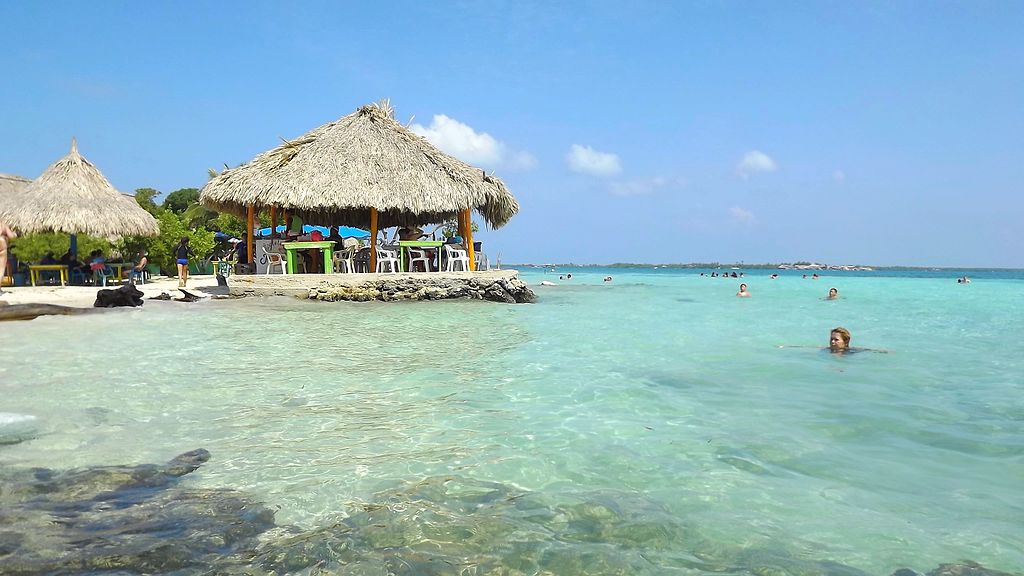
point(336, 173)
point(73, 197)
point(10, 185)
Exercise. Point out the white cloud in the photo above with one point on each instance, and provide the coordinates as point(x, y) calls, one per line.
point(839, 176)
point(645, 186)
point(740, 215)
point(466, 144)
point(755, 161)
point(586, 160)
point(521, 161)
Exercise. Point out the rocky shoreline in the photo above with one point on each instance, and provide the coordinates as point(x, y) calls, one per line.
point(139, 520)
point(495, 286)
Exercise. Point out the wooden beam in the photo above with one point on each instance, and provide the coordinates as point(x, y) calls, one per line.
point(249, 233)
point(373, 239)
point(467, 219)
point(273, 221)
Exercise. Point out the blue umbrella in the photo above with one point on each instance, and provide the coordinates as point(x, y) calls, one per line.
point(350, 232)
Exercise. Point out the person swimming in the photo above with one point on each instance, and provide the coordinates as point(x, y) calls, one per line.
point(833, 294)
point(839, 343)
point(839, 339)
point(607, 278)
point(743, 291)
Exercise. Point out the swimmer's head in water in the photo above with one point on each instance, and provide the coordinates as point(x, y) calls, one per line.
point(839, 339)
point(833, 293)
point(743, 287)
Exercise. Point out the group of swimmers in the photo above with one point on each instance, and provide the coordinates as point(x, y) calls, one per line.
point(833, 293)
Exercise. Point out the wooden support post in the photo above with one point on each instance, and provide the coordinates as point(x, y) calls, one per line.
point(250, 221)
point(273, 221)
point(467, 218)
point(373, 239)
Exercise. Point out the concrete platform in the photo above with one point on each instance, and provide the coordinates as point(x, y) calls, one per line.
point(496, 285)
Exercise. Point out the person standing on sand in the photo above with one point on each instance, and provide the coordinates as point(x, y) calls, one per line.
point(5, 234)
point(181, 254)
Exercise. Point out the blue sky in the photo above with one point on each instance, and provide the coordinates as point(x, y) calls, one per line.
point(840, 132)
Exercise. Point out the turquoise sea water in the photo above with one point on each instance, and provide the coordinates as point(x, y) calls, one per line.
point(656, 415)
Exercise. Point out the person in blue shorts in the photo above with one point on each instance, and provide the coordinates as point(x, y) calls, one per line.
point(181, 254)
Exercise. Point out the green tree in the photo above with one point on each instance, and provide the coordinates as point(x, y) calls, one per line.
point(32, 247)
point(144, 196)
point(181, 199)
point(451, 228)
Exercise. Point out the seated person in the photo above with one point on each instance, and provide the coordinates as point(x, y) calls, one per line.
point(70, 261)
point(294, 226)
point(456, 242)
point(413, 233)
point(241, 251)
point(139, 270)
point(49, 259)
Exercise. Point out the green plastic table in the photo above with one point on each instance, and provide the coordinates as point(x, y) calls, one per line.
point(326, 247)
point(403, 244)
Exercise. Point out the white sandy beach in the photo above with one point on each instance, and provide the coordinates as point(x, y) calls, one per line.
point(84, 296)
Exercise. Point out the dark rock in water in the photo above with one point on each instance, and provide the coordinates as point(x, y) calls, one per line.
point(137, 520)
point(161, 296)
point(127, 295)
point(905, 572)
point(125, 519)
point(188, 296)
point(30, 311)
point(967, 569)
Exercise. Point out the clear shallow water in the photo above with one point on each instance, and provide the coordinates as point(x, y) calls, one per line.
point(661, 395)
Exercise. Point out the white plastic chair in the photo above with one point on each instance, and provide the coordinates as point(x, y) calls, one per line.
point(481, 261)
point(343, 263)
point(453, 256)
point(388, 258)
point(275, 259)
point(417, 255)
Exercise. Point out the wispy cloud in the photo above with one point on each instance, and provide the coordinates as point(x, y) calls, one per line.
point(645, 186)
point(755, 161)
point(586, 160)
point(741, 216)
point(839, 176)
point(466, 144)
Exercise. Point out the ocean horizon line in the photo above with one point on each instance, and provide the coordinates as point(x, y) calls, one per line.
point(764, 266)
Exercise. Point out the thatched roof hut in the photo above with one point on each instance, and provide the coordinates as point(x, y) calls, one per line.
point(340, 172)
point(10, 185)
point(73, 197)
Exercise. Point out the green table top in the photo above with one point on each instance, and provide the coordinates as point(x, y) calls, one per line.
point(295, 245)
point(421, 243)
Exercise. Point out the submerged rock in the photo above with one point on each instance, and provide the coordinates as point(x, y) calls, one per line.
point(121, 518)
point(16, 428)
point(137, 520)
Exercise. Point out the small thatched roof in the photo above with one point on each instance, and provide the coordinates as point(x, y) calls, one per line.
point(336, 173)
point(73, 197)
point(10, 185)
